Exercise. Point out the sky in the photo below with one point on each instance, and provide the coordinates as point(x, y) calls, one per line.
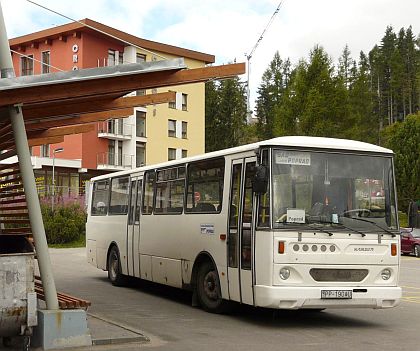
point(229, 29)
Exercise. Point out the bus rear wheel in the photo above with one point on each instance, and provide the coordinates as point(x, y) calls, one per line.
point(208, 289)
point(114, 268)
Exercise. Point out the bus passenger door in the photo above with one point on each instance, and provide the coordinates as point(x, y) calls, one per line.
point(241, 232)
point(133, 228)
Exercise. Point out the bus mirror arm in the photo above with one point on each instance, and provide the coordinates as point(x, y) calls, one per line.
point(260, 180)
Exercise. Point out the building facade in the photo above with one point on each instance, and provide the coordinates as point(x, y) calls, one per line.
point(151, 135)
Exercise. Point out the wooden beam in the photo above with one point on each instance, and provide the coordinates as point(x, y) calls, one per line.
point(43, 141)
point(53, 132)
point(81, 119)
point(121, 84)
point(63, 109)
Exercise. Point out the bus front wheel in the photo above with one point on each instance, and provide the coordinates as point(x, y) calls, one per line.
point(208, 289)
point(114, 267)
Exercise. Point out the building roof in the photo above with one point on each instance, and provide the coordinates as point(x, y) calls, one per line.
point(103, 30)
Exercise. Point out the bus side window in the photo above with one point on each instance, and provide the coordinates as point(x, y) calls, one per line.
point(118, 203)
point(138, 205)
point(100, 198)
point(205, 186)
point(149, 185)
point(133, 192)
point(264, 199)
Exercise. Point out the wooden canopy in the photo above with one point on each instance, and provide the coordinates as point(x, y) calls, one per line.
point(73, 98)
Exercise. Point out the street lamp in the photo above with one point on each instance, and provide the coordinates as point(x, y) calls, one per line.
point(56, 151)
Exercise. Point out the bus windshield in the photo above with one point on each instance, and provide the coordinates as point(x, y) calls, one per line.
point(321, 189)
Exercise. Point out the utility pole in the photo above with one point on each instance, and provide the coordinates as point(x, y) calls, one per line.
point(28, 179)
point(249, 56)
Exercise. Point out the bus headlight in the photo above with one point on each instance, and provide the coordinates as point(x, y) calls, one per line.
point(284, 273)
point(386, 274)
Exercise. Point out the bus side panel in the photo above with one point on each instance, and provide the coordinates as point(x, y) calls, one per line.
point(182, 237)
point(91, 252)
point(106, 230)
point(263, 258)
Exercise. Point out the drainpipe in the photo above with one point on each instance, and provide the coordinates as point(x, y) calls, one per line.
point(27, 174)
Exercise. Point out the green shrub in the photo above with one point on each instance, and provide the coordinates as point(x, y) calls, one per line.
point(65, 224)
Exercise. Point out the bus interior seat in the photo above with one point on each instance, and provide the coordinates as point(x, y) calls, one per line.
point(205, 207)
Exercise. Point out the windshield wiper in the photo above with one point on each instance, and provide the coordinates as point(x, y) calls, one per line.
point(311, 225)
point(348, 228)
point(375, 224)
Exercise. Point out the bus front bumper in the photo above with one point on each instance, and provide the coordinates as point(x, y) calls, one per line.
point(310, 297)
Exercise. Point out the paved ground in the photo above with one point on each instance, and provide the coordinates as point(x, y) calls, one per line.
point(165, 317)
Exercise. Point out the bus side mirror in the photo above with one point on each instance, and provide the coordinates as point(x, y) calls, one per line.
point(260, 180)
point(413, 209)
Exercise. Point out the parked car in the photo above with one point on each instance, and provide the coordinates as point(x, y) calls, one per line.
point(410, 241)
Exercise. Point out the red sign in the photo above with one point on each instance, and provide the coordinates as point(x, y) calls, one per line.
point(197, 196)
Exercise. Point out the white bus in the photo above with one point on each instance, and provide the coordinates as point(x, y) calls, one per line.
point(287, 223)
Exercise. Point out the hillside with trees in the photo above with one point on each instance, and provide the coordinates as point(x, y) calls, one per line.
point(374, 98)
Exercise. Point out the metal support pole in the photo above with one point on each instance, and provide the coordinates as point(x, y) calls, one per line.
point(53, 183)
point(28, 179)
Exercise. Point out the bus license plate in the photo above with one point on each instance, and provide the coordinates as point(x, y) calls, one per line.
point(336, 294)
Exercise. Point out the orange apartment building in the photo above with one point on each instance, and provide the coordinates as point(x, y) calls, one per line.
point(153, 134)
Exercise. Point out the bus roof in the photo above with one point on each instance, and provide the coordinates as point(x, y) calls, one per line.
point(287, 141)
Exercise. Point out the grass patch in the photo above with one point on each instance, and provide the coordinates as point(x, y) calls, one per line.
point(81, 242)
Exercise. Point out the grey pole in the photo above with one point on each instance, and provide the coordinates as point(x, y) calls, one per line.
point(22, 148)
point(53, 183)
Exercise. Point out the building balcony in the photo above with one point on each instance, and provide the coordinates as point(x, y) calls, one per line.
point(114, 162)
point(115, 130)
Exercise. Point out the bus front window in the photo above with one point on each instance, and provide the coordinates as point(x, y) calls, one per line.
point(332, 189)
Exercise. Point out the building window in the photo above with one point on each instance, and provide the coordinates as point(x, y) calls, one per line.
point(27, 65)
point(172, 104)
point(140, 124)
point(111, 152)
point(113, 59)
point(120, 153)
point(140, 58)
point(171, 128)
point(120, 126)
point(184, 130)
point(45, 150)
point(111, 126)
point(45, 62)
point(184, 153)
point(140, 155)
point(184, 102)
point(171, 154)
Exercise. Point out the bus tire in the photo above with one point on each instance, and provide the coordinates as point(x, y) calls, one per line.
point(208, 289)
point(114, 267)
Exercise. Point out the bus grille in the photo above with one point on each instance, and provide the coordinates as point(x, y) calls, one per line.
point(338, 275)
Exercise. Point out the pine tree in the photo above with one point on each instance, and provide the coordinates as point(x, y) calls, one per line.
point(225, 114)
point(270, 94)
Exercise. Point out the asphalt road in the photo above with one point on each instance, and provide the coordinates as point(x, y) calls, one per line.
point(167, 318)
